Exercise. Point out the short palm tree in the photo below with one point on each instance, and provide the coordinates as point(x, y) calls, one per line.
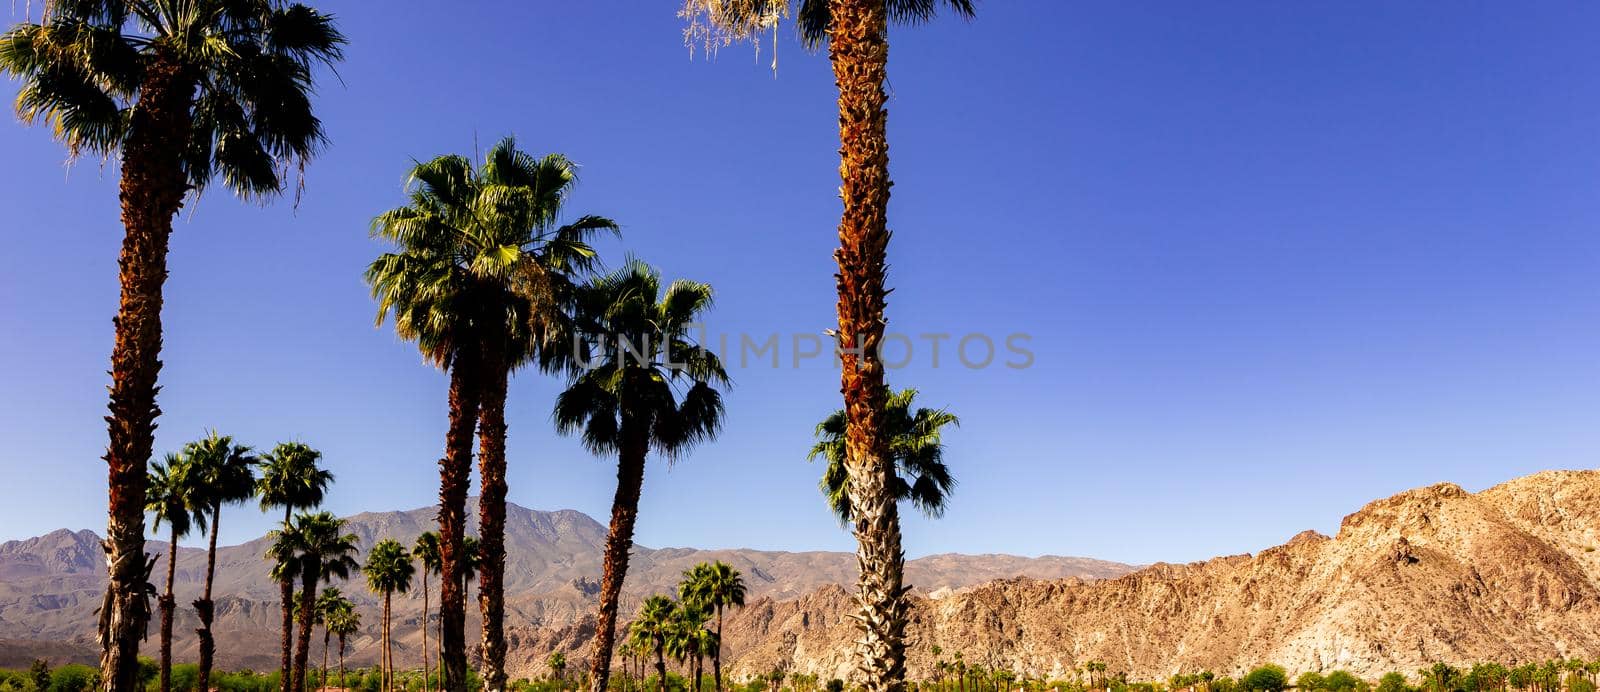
point(652, 628)
point(720, 586)
point(283, 552)
point(329, 605)
point(916, 446)
point(182, 93)
point(557, 662)
point(290, 479)
point(388, 570)
point(171, 498)
point(857, 35)
point(689, 640)
point(224, 473)
point(482, 272)
point(325, 553)
point(344, 623)
point(426, 551)
point(626, 401)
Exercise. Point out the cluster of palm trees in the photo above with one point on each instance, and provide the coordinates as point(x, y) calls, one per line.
point(187, 492)
point(389, 569)
point(484, 279)
point(688, 629)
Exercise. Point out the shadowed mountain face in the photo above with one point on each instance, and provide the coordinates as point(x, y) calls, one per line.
point(50, 585)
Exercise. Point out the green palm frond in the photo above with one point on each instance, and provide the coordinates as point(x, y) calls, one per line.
point(479, 257)
point(250, 63)
point(916, 445)
point(388, 568)
point(638, 354)
point(290, 478)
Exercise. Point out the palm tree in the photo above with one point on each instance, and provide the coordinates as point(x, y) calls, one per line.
point(652, 628)
point(626, 402)
point(283, 551)
point(689, 640)
point(916, 447)
point(483, 271)
point(857, 35)
point(290, 479)
point(557, 662)
point(170, 497)
point(329, 605)
point(344, 623)
point(426, 551)
point(720, 586)
point(324, 554)
point(191, 91)
point(224, 473)
point(388, 570)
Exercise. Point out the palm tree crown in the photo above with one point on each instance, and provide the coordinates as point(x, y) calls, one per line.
point(388, 568)
point(426, 551)
point(291, 479)
point(224, 472)
point(639, 353)
point(716, 584)
point(248, 63)
point(915, 444)
point(481, 253)
point(171, 497)
point(324, 551)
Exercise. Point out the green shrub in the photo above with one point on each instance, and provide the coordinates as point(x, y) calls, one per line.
point(1392, 682)
point(1267, 678)
point(72, 678)
point(1341, 681)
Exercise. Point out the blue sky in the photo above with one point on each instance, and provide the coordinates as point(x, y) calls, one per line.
point(1277, 259)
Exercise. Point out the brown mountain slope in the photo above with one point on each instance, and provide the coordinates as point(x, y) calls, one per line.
point(50, 585)
point(1432, 574)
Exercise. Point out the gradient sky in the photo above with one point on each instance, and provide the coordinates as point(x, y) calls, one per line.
point(1277, 259)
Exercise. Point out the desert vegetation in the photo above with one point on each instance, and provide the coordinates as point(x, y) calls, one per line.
point(658, 627)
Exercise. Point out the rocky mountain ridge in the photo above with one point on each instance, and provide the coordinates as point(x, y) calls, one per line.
point(51, 584)
point(1509, 574)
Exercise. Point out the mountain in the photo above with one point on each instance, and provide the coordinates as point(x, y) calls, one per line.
point(1433, 574)
point(1510, 574)
point(50, 585)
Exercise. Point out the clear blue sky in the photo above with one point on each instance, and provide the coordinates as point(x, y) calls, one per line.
point(1277, 259)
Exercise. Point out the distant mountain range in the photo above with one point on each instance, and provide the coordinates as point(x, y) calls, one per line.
point(51, 585)
point(1510, 574)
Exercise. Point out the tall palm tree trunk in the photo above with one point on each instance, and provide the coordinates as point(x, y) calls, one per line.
point(619, 540)
point(325, 636)
point(716, 653)
point(342, 684)
point(427, 683)
point(203, 607)
point(151, 192)
point(492, 515)
point(308, 602)
point(387, 663)
point(859, 51)
point(661, 666)
point(454, 471)
point(169, 604)
point(286, 592)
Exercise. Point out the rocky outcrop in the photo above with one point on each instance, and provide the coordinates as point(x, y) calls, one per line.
point(1433, 574)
